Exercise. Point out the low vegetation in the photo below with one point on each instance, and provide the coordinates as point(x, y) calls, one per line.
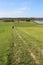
point(22, 45)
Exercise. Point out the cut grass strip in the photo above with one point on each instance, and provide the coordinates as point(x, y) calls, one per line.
point(34, 48)
point(31, 53)
point(21, 55)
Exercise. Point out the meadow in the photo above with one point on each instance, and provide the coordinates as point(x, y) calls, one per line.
point(5, 41)
point(27, 40)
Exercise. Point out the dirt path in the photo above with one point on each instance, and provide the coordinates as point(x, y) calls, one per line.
point(42, 52)
point(31, 53)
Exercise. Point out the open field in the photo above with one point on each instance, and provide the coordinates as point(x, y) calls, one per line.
point(27, 38)
point(5, 41)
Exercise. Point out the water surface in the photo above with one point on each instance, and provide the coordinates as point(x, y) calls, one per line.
point(39, 21)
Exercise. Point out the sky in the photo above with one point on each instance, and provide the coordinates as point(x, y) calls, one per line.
point(21, 8)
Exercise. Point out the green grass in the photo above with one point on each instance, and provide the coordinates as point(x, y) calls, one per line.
point(5, 41)
point(31, 33)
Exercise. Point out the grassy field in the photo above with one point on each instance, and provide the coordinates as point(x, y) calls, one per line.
point(27, 39)
point(5, 41)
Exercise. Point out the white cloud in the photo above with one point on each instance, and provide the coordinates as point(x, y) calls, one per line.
point(16, 13)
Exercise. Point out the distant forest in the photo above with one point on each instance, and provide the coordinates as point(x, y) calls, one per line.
point(19, 19)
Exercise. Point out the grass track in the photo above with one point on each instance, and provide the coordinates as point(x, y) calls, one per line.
point(33, 35)
point(29, 33)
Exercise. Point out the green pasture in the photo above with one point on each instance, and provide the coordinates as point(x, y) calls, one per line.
point(31, 33)
point(5, 41)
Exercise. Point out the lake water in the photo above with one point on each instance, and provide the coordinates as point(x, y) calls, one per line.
point(40, 22)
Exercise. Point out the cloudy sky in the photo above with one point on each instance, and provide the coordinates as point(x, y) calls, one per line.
point(21, 8)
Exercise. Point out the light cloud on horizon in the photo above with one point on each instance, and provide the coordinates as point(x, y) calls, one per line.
point(17, 13)
point(21, 8)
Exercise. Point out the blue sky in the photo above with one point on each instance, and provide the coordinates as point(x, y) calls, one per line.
point(21, 8)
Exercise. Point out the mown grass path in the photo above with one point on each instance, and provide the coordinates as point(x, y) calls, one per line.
point(29, 36)
point(21, 43)
point(32, 44)
point(21, 54)
point(27, 48)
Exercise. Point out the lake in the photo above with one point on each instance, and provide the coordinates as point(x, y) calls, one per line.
point(39, 21)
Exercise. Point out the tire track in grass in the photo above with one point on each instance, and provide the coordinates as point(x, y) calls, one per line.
point(18, 50)
point(38, 48)
point(39, 51)
point(35, 45)
point(42, 52)
point(31, 53)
